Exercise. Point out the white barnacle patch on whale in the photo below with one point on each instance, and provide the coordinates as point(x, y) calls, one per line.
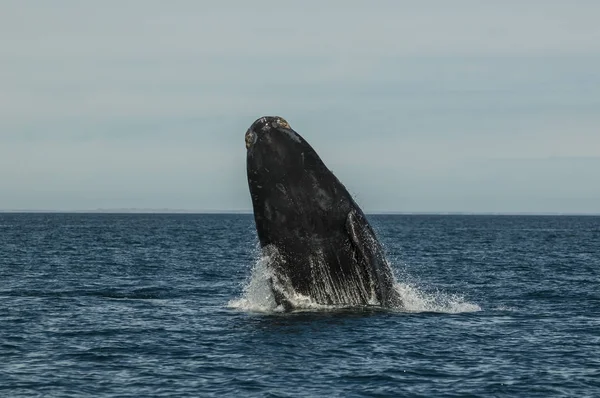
point(281, 122)
point(250, 138)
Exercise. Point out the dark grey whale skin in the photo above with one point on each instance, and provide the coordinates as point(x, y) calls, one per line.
point(325, 247)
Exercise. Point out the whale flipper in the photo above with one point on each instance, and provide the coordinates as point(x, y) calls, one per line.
point(372, 257)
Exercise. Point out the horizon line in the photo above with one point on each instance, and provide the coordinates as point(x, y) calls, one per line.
point(250, 212)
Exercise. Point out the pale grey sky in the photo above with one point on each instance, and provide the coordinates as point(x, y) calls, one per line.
point(435, 106)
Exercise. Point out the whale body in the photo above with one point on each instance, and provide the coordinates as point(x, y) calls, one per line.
point(318, 240)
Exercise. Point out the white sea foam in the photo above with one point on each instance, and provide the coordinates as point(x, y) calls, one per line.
point(258, 296)
point(415, 299)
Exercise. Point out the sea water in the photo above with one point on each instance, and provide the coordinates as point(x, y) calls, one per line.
point(176, 305)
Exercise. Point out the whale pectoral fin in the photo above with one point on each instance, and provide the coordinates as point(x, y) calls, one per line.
point(362, 237)
point(369, 249)
point(366, 247)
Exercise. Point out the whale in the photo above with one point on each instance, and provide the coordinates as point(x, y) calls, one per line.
point(319, 244)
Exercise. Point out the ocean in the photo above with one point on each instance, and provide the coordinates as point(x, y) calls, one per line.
point(176, 305)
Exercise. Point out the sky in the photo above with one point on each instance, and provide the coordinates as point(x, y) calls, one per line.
point(430, 106)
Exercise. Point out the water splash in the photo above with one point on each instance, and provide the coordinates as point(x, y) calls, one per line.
point(415, 299)
point(258, 296)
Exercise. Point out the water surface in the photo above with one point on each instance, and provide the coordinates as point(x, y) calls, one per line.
point(164, 305)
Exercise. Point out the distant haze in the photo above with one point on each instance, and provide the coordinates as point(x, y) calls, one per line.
point(428, 106)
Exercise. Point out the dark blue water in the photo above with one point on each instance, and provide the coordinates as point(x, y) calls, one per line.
point(170, 305)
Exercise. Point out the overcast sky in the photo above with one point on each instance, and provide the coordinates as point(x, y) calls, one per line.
point(417, 106)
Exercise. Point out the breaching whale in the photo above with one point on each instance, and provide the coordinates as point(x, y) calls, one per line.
point(318, 241)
